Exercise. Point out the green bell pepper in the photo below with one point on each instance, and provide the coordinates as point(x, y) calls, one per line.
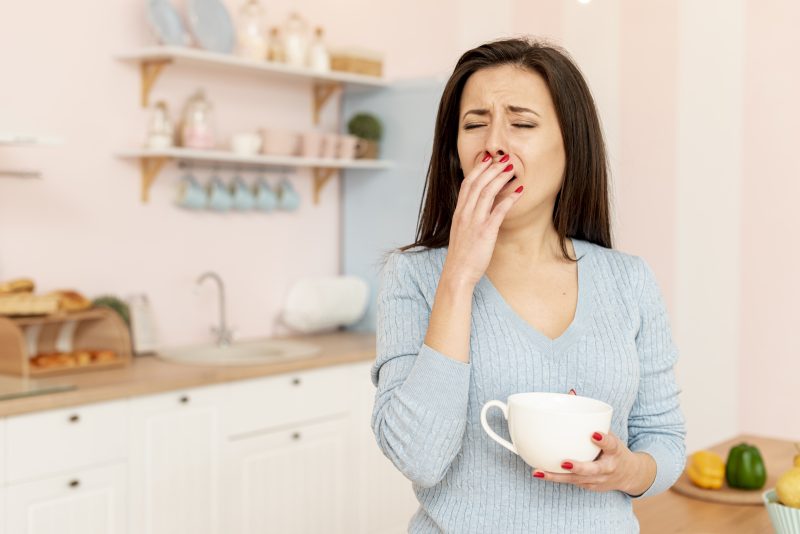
point(745, 468)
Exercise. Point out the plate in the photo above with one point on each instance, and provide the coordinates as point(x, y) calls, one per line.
point(211, 25)
point(166, 23)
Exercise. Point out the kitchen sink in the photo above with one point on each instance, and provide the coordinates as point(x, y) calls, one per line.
point(241, 353)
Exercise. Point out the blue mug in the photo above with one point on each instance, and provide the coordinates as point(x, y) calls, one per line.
point(219, 198)
point(266, 199)
point(243, 198)
point(289, 199)
point(191, 194)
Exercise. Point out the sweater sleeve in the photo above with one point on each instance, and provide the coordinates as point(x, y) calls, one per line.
point(420, 410)
point(656, 424)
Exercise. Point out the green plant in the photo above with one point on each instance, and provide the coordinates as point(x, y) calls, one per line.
point(118, 305)
point(365, 126)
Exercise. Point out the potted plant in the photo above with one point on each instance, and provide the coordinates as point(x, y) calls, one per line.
point(369, 130)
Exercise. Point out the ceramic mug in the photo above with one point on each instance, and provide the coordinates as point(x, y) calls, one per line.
point(243, 197)
point(347, 146)
point(219, 198)
point(191, 194)
point(265, 197)
point(312, 144)
point(548, 428)
point(289, 200)
point(246, 144)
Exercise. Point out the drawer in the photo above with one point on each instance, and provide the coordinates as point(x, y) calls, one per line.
point(286, 399)
point(51, 442)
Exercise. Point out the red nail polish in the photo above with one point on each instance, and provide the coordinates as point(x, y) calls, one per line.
point(566, 465)
point(487, 157)
point(508, 167)
point(504, 158)
point(519, 189)
point(538, 474)
point(597, 436)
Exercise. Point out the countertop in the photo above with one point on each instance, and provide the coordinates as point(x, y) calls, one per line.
point(149, 374)
point(673, 513)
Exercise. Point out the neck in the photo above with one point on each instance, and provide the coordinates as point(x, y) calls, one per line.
point(529, 244)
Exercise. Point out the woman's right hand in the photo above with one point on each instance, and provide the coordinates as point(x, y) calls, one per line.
point(477, 218)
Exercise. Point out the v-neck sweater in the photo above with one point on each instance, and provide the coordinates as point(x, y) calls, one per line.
point(426, 418)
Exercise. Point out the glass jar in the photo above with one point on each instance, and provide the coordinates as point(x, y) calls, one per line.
point(252, 40)
point(318, 58)
point(160, 131)
point(197, 130)
point(295, 40)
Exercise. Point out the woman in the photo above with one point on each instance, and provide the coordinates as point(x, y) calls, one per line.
point(512, 286)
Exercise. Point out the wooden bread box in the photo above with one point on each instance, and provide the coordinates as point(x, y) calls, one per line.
point(99, 337)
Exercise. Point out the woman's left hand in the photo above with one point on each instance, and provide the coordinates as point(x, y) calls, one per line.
point(615, 468)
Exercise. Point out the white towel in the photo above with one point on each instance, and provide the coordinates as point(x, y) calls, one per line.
point(326, 302)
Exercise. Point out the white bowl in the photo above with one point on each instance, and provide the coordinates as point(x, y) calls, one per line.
point(785, 519)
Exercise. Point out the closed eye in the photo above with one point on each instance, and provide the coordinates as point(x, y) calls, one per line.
point(473, 126)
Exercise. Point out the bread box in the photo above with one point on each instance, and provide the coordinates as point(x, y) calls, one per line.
point(63, 343)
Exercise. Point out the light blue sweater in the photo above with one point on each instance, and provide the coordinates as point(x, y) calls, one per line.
point(426, 417)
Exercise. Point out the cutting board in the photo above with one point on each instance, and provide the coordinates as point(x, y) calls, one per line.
point(778, 456)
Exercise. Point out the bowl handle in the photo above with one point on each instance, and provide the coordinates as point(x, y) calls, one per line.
point(497, 404)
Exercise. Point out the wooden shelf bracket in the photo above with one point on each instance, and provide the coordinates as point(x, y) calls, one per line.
point(150, 69)
point(321, 177)
point(150, 169)
point(322, 92)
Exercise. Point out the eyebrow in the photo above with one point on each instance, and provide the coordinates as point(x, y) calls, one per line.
point(513, 109)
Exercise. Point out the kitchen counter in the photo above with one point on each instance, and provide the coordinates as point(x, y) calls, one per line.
point(673, 513)
point(149, 374)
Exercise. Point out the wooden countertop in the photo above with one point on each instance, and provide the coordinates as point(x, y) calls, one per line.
point(673, 513)
point(149, 374)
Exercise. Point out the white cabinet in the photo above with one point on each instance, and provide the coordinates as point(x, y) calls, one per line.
point(2, 460)
point(56, 441)
point(91, 501)
point(290, 481)
point(386, 498)
point(174, 462)
point(290, 454)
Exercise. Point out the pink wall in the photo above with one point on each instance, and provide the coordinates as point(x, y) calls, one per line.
point(82, 225)
point(770, 347)
point(645, 184)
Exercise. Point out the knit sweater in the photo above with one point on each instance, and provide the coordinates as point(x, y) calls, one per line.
point(426, 417)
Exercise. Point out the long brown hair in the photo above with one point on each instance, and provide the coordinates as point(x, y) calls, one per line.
point(582, 207)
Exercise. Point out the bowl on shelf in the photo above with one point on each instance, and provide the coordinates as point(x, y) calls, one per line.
point(279, 142)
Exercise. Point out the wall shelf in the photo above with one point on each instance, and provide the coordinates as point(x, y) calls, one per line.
point(25, 140)
point(152, 61)
point(152, 161)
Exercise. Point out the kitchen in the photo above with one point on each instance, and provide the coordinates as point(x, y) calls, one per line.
point(105, 194)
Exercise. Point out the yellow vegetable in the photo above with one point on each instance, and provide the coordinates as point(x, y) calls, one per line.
point(706, 469)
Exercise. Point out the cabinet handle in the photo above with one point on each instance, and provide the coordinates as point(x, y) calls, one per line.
point(74, 483)
point(296, 436)
point(185, 399)
point(295, 381)
point(74, 418)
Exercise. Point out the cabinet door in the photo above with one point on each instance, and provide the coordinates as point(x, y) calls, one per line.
point(291, 481)
point(175, 462)
point(90, 501)
point(386, 499)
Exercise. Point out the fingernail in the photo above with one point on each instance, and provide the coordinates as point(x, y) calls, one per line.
point(508, 167)
point(538, 474)
point(566, 465)
point(597, 436)
point(519, 189)
point(505, 158)
point(487, 157)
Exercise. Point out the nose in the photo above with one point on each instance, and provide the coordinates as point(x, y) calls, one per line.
point(495, 142)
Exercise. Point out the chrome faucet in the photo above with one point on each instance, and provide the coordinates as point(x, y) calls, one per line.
point(222, 332)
